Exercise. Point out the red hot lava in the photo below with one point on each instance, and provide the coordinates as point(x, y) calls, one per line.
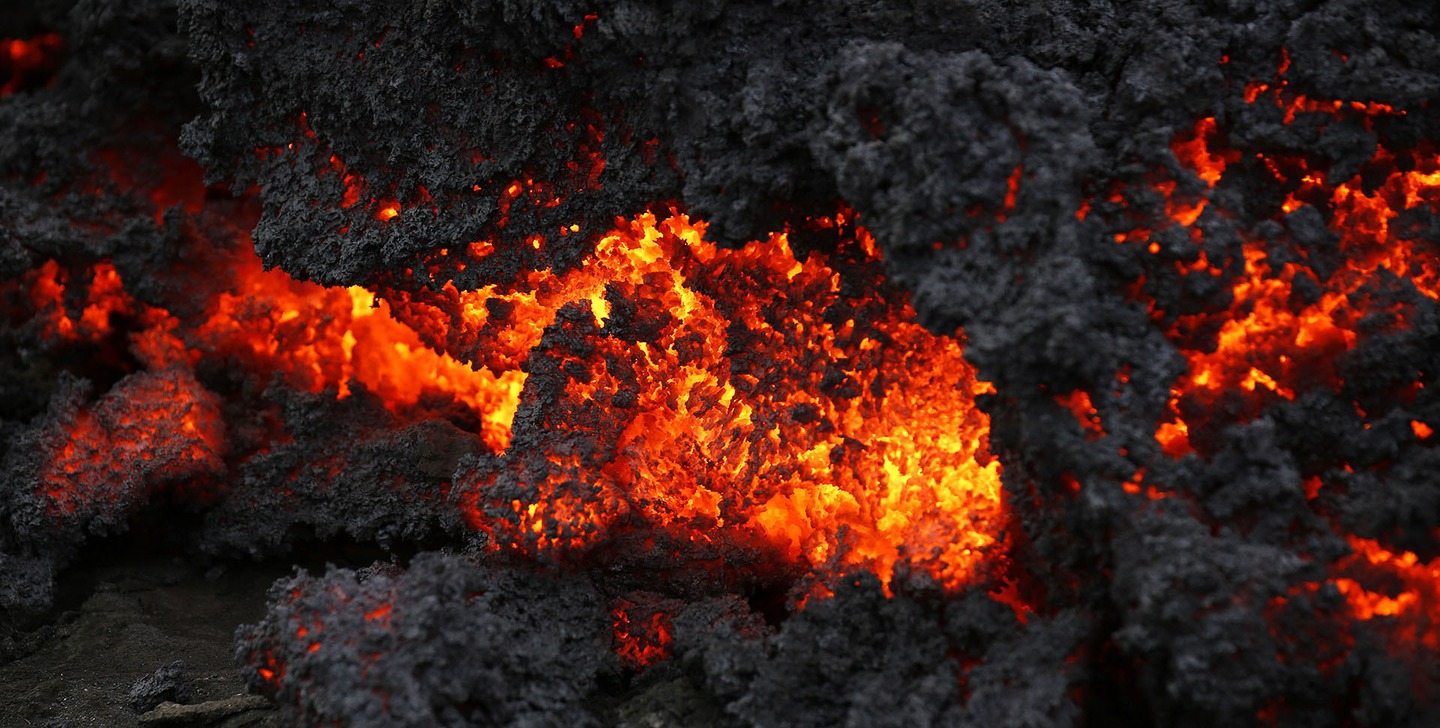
point(748, 398)
point(1272, 343)
point(29, 62)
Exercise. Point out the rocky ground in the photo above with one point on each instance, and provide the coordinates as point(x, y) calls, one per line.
point(123, 621)
point(107, 656)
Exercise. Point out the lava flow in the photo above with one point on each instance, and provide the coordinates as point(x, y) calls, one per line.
point(1292, 315)
point(1276, 339)
point(734, 398)
point(738, 396)
point(1269, 347)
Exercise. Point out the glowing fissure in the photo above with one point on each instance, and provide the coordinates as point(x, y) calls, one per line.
point(1267, 346)
point(1272, 344)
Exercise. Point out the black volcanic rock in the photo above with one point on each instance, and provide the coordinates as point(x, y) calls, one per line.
point(446, 642)
point(167, 684)
point(862, 658)
point(351, 471)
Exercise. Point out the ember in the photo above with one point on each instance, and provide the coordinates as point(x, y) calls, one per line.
point(24, 62)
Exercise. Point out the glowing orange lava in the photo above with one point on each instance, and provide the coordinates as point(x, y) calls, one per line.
point(1273, 343)
point(311, 337)
point(320, 338)
point(151, 428)
point(745, 400)
point(642, 636)
point(1378, 583)
point(831, 439)
point(104, 297)
point(1267, 346)
point(1078, 402)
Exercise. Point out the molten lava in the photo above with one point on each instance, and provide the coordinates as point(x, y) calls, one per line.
point(1267, 346)
point(1290, 317)
point(317, 339)
point(642, 631)
point(152, 428)
point(1379, 583)
point(732, 398)
point(738, 397)
point(311, 337)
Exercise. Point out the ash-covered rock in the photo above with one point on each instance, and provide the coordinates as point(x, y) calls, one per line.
point(673, 704)
point(447, 642)
point(120, 63)
point(167, 684)
point(862, 658)
point(439, 109)
point(350, 470)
